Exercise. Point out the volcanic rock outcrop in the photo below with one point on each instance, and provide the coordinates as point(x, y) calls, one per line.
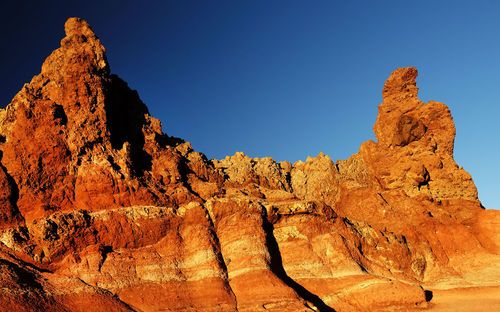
point(101, 211)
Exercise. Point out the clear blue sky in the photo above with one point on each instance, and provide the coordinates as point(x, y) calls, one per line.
point(285, 79)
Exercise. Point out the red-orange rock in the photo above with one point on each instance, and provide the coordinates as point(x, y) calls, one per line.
point(101, 211)
point(9, 214)
point(78, 137)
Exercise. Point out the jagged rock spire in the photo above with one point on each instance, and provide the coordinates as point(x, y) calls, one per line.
point(77, 135)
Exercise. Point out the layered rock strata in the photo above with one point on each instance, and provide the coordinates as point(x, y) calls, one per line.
point(102, 211)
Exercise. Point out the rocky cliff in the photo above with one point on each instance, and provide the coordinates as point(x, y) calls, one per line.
point(101, 211)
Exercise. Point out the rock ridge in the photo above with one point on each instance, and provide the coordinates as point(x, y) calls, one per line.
point(102, 211)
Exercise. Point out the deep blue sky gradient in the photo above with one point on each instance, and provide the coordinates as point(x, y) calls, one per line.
point(285, 79)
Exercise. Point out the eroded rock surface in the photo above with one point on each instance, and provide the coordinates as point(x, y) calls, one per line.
point(101, 211)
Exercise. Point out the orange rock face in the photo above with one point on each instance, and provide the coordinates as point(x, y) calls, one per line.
point(101, 211)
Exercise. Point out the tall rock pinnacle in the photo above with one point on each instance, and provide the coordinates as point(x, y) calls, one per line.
point(77, 136)
point(404, 119)
point(426, 131)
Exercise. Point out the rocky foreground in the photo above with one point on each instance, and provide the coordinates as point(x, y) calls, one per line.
point(101, 211)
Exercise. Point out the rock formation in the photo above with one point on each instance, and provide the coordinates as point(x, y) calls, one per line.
point(101, 211)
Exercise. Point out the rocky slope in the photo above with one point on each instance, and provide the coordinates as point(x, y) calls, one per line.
point(101, 211)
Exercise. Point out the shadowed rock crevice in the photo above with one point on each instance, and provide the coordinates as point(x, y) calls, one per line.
point(126, 118)
point(428, 295)
point(60, 115)
point(9, 212)
point(409, 129)
point(24, 277)
point(276, 264)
